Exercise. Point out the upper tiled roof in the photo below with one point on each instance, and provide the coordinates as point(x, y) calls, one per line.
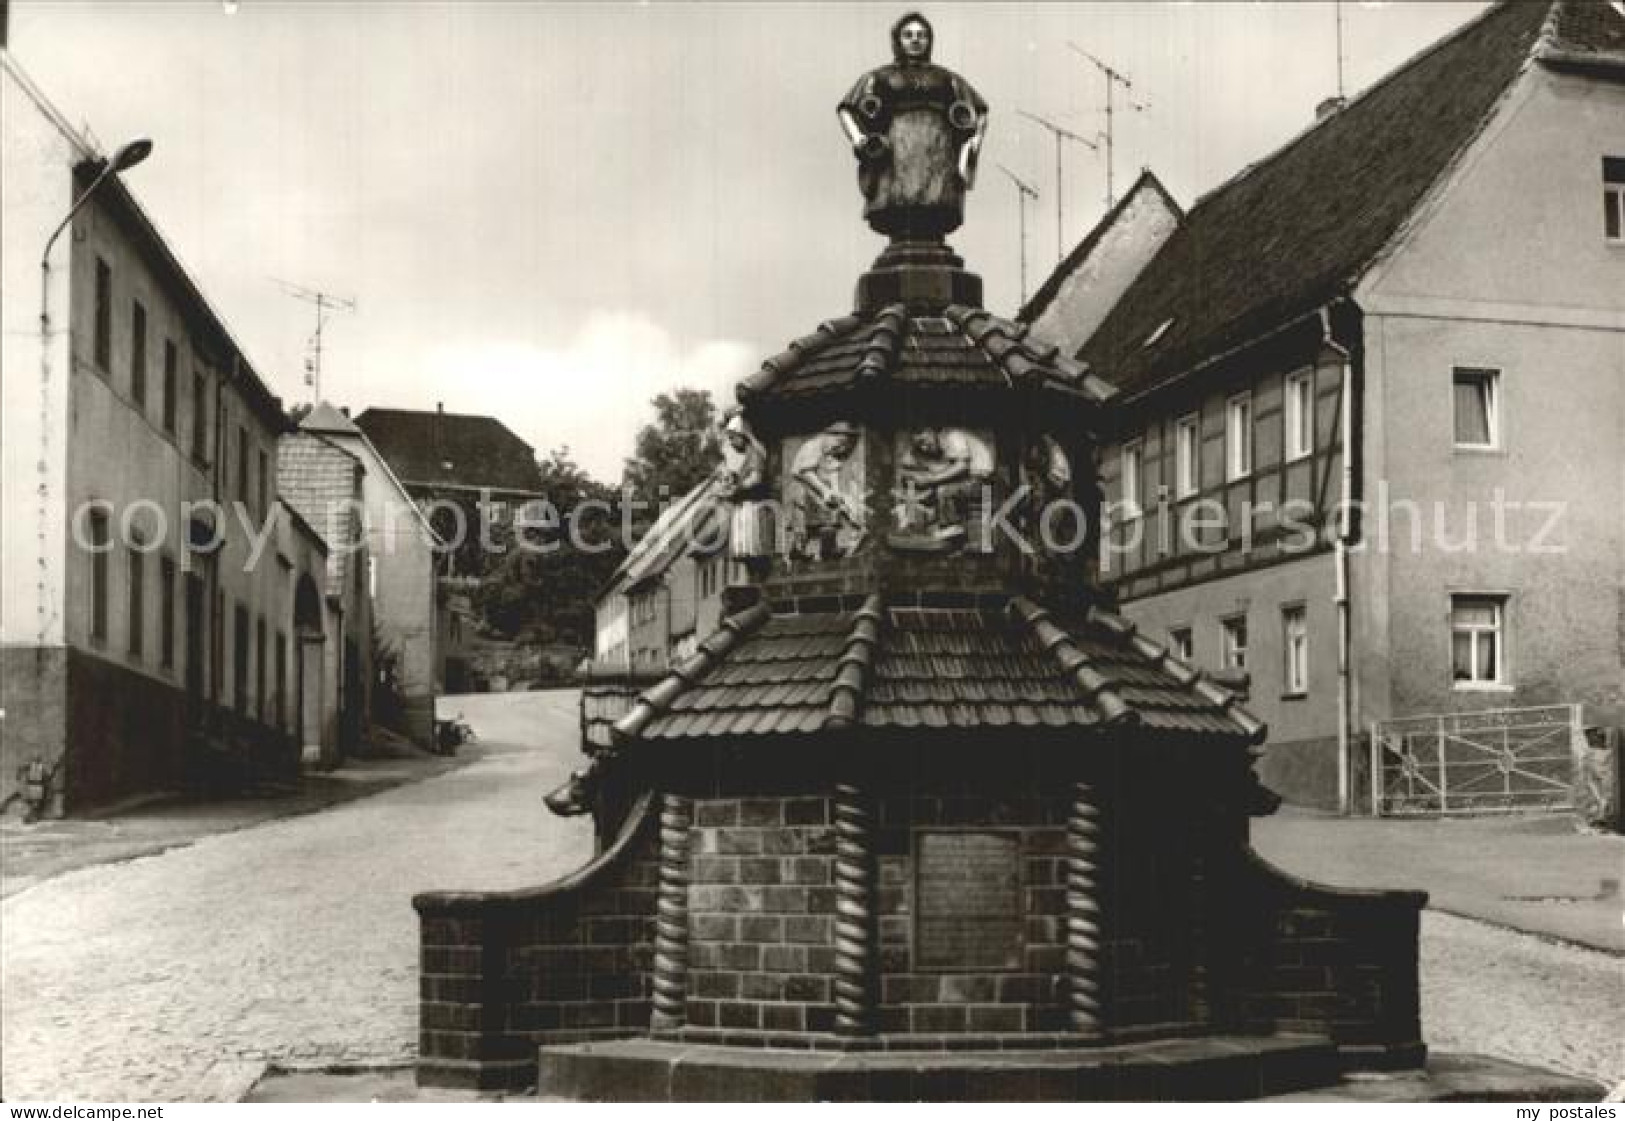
point(1298, 228)
point(895, 665)
point(961, 347)
point(452, 449)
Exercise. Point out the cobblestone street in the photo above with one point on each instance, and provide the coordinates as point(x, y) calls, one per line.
point(177, 975)
point(1494, 991)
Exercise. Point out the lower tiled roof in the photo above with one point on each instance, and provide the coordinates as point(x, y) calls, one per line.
point(886, 665)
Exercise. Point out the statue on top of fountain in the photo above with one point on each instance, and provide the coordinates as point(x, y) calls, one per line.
point(916, 130)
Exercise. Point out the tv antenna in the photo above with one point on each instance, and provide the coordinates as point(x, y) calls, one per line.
point(1114, 78)
point(325, 302)
point(1024, 191)
point(1061, 134)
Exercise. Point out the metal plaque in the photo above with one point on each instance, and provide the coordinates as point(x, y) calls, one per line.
point(968, 911)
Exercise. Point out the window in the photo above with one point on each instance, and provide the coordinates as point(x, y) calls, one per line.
point(1477, 408)
point(1300, 415)
point(1186, 472)
point(1133, 455)
point(1180, 644)
point(1478, 640)
point(1235, 642)
point(1613, 199)
point(100, 543)
point(1295, 648)
point(138, 605)
point(138, 352)
point(166, 609)
point(239, 666)
point(1238, 436)
point(171, 359)
point(104, 315)
point(200, 416)
point(259, 669)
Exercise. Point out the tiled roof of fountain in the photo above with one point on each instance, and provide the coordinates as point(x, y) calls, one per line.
point(906, 665)
point(960, 346)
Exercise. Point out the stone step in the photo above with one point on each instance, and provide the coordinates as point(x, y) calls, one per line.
point(1212, 1068)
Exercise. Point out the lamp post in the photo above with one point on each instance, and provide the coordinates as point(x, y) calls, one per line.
point(126, 157)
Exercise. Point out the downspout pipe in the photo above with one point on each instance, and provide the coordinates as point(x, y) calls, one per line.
point(1345, 684)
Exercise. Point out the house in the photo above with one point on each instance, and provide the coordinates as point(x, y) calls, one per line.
point(325, 485)
point(403, 578)
point(1431, 277)
point(152, 618)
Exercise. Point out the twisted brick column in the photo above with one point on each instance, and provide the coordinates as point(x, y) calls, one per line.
point(671, 921)
point(854, 913)
point(1083, 909)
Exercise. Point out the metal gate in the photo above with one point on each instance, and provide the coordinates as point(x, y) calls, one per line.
point(1475, 762)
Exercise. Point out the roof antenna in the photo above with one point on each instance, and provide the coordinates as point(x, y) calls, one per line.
point(1024, 191)
point(1114, 78)
point(1337, 9)
point(1060, 196)
point(325, 302)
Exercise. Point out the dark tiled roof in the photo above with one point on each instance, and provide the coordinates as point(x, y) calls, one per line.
point(897, 666)
point(451, 449)
point(1295, 230)
point(961, 346)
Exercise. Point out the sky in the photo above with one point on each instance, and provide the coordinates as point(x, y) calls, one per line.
point(550, 213)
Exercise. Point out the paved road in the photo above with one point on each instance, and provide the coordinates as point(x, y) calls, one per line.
point(173, 975)
point(176, 976)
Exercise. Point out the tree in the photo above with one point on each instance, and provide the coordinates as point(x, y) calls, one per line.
point(678, 451)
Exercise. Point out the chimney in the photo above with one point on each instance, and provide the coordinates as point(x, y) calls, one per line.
point(345, 409)
point(1329, 106)
point(440, 406)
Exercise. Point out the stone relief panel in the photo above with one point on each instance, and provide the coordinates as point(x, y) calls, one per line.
point(824, 493)
point(943, 490)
